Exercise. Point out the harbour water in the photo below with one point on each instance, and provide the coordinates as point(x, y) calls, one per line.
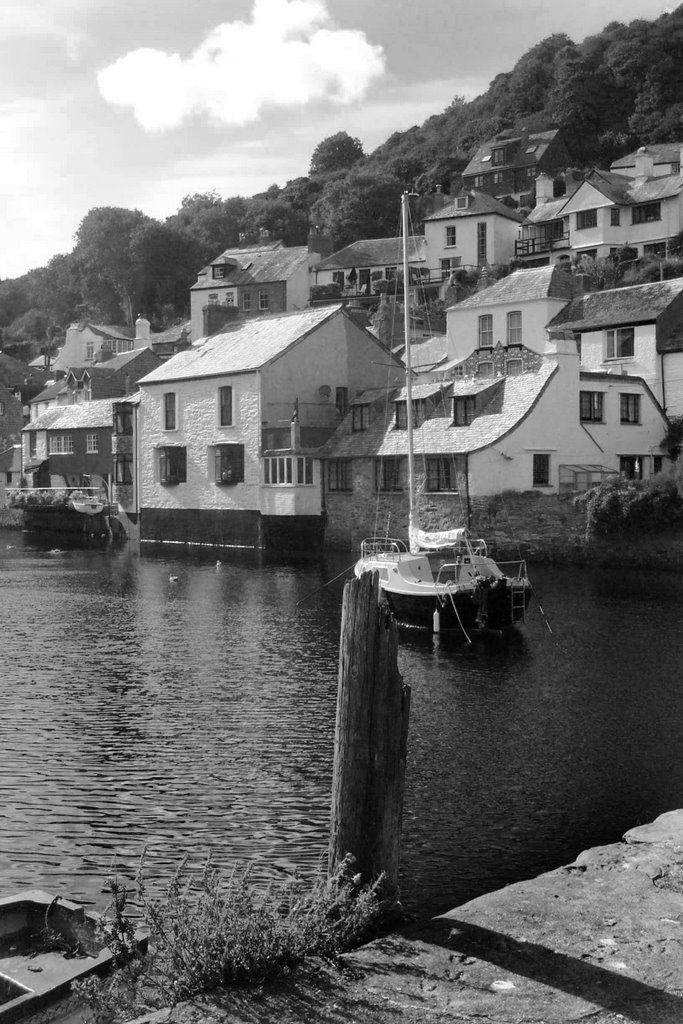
point(185, 707)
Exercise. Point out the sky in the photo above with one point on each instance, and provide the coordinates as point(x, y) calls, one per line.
point(138, 104)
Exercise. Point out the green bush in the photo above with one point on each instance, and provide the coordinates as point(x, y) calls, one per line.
point(619, 505)
point(210, 931)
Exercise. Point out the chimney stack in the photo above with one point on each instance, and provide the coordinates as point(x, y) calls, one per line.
point(544, 189)
point(645, 167)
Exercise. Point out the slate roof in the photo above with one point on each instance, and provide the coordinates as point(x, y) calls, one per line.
point(50, 392)
point(427, 353)
point(480, 204)
point(543, 212)
point(75, 417)
point(622, 190)
point(640, 303)
point(375, 252)
point(521, 157)
point(524, 286)
point(257, 265)
point(249, 345)
point(122, 333)
point(510, 401)
point(661, 153)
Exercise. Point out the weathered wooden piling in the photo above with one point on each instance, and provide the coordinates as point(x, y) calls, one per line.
point(373, 707)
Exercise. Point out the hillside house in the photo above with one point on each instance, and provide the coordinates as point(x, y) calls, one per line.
point(251, 281)
point(507, 165)
point(478, 438)
point(665, 156)
point(609, 211)
point(363, 268)
point(474, 230)
point(228, 431)
point(634, 331)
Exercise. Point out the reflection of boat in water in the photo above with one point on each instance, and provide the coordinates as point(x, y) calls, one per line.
point(445, 579)
point(87, 504)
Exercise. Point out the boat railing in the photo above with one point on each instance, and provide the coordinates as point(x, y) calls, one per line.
point(371, 547)
point(514, 570)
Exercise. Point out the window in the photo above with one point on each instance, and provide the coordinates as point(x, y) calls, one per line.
point(591, 406)
point(246, 302)
point(448, 265)
point(498, 157)
point(486, 331)
point(485, 369)
point(440, 475)
point(631, 466)
point(169, 411)
point(89, 350)
point(514, 327)
point(263, 299)
point(360, 418)
point(464, 409)
point(123, 419)
point(172, 465)
point(514, 367)
point(225, 406)
point(531, 171)
point(498, 177)
point(2, 408)
point(229, 298)
point(32, 443)
point(341, 401)
point(229, 463)
point(390, 273)
point(586, 219)
point(578, 345)
point(338, 277)
point(646, 213)
point(387, 475)
point(401, 421)
point(218, 273)
point(61, 444)
point(92, 444)
point(450, 235)
point(481, 243)
point(541, 470)
point(123, 469)
point(615, 216)
point(461, 203)
point(657, 464)
point(119, 345)
point(478, 180)
point(657, 249)
point(339, 475)
point(619, 343)
point(630, 408)
point(283, 470)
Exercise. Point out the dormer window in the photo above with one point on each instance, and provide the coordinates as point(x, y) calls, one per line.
point(464, 408)
point(402, 416)
point(218, 273)
point(360, 418)
point(498, 156)
point(461, 203)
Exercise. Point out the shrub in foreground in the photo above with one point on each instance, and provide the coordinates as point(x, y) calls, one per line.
point(619, 505)
point(212, 931)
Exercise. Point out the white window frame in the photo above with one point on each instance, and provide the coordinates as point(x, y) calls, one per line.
point(92, 444)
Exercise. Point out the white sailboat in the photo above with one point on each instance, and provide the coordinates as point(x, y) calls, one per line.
point(446, 579)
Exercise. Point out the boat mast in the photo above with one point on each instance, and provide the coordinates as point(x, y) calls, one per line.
point(409, 375)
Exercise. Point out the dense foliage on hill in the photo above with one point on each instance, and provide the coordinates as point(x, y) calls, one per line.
point(614, 91)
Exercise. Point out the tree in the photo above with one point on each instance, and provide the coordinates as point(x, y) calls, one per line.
point(213, 223)
point(27, 335)
point(362, 205)
point(336, 153)
point(167, 263)
point(107, 257)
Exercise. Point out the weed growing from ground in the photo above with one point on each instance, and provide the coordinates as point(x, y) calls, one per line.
point(214, 931)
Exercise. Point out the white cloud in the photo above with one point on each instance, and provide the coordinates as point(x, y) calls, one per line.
point(289, 54)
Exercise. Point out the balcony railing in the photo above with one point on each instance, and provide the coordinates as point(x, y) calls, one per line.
point(371, 293)
point(540, 244)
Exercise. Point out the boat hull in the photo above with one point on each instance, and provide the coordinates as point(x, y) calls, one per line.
point(495, 608)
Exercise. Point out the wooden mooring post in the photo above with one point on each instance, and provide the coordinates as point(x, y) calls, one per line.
point(371, 739)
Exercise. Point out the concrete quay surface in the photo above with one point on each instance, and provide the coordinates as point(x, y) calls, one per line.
point(599, 940)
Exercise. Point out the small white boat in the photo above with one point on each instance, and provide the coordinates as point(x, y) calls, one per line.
point(87, 504)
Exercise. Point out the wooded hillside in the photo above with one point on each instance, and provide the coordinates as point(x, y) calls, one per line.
point(610, 93)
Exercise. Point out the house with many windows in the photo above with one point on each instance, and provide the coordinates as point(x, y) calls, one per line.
point(634, 331)
point(474, 230)
point(548, 431)
point(609, 211)
point(250, 281)
point(363, 269)
point(86, 344)
point(70, 446)
point(508, 164)
point(228, 431)
point(665, 157)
